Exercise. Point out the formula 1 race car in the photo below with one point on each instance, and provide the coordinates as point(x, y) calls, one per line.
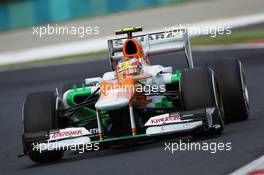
point(136, 101)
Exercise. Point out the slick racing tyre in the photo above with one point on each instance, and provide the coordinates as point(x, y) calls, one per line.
point(199, 89)
point(39, 114)
point(233, 88)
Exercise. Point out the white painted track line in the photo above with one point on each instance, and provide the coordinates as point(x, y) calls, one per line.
point(257, 164)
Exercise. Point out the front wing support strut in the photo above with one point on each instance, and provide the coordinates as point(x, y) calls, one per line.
point(132, 120)
point(100, 129)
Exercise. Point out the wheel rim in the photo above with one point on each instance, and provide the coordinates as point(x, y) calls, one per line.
point(244, 88)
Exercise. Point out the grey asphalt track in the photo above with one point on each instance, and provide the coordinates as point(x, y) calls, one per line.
point(246, 137)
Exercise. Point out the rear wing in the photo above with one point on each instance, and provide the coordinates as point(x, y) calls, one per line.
point(155, 44)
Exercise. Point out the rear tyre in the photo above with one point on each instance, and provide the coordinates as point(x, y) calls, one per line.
point(39, 114)
point(231, 77)
point(199, 89)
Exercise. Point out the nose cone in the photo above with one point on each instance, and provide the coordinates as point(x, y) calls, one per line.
point(111, 104)
point(116, 94)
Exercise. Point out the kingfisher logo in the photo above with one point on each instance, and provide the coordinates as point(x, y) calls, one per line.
point(163, 119)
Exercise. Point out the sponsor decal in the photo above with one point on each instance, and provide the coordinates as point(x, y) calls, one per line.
point(151, 37)
point(68, 133)
point(60, 134)
point(164, 119)
point(94, 131)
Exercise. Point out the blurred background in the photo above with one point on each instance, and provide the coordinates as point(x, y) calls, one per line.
point(24, 13)
point(18, 18)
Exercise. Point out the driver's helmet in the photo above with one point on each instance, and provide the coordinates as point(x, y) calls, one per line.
point(128, 67)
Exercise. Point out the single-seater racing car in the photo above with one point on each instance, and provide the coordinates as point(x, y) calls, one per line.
point(136, 100)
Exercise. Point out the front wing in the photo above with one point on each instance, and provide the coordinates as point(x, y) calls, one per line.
point(179, 122)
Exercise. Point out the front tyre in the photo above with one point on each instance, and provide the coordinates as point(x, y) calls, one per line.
point(233, 88)
point(40, 114)
point(199, 89)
